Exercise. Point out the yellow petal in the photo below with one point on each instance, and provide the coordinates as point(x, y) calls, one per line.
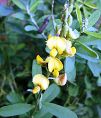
point(49, 36)
point(73, 50)
point(41, 81)
point(36, 90)
point(61, 45)
point(55, 73)
point(51, 65)
point(51, 42)
point(53, 52)
point(39, 60)
point(54, 63)
point(58, 64)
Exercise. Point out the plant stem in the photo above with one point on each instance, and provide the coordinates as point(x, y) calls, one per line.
point(67, 101)
point(53, 19)
point(33, 20)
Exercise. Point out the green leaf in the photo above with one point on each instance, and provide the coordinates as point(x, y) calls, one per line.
point(15, 109)
point(79, 15)
point(19, 4)
point(34, 5)
point(70, 68)
point(99, 81)
point(30, 28)
point(90, 5)
point(89, 85)
point(91, 41)
point(14, 98)
point(86, 52)
point(42, 113)
point(19, 15)
point(73, 90)
point(94, 17)
point(51, 93)
point(94, 34)
point(36, 68)
point(95, 68)
point(59, 111)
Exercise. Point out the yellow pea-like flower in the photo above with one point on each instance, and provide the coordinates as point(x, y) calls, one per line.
point(56, 42)
point(61, 79)
point(41, 81)
point(71, 52)
point(54, 64)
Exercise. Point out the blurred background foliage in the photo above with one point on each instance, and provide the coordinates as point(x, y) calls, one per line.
point(20, 42)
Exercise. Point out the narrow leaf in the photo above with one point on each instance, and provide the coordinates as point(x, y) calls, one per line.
point(15, 109)
point(95, 68)
point(59, 111)
point(86, 52)
point(79, 15)
point(34, 5)
point(94, 17)
point(19, 4)
point(94, 34)
point(70, 69)
point(51, 93)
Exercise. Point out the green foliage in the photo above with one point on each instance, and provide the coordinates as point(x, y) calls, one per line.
point(93, 18)
point(70, 69)
point(36, 68)
point(51, 93)
point(20, 42)
point(19, 4)
point(59, 111)
point(79, 15)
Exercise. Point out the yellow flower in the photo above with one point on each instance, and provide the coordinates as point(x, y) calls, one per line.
point(54, 65)
point(56, 42)
point(71, 51)
point(41, 83)
point(61, 80)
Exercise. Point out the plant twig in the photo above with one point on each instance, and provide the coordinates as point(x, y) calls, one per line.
point(33, 21)
point(53, 19)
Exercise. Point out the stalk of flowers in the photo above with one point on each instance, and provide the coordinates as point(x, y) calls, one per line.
point(59, 46)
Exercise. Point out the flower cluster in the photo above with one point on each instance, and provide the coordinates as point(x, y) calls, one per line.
point(59, 47)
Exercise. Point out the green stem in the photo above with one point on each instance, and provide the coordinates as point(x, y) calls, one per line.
point(33, 20)
point(67, 101)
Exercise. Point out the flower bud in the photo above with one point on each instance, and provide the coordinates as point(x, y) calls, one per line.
point(36, 90)
point(73, 34)
point(61, 79)
point(70, 20)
